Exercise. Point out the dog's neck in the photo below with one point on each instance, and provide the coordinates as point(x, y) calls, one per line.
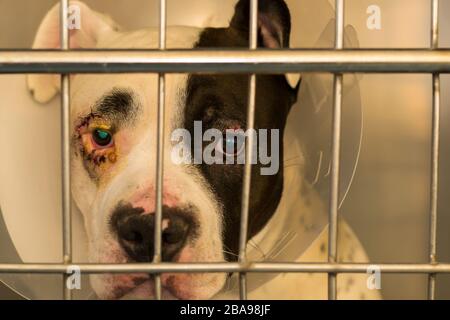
point(298, 221)
point(300, 215)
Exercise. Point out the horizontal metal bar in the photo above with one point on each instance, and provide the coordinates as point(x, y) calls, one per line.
point(260, 267)
point(230, 61)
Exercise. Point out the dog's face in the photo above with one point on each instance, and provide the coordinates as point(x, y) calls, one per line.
point(114, 142)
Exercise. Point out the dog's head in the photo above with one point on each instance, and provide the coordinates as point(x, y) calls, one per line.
point(114, 142)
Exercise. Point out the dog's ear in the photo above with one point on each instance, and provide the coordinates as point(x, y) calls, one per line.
point(274, 27)
point(85, 28)
point(274, 22)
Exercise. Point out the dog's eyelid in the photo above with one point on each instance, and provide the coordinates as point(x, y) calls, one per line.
point(92, 119)
point(118, 105)
point(224, 124)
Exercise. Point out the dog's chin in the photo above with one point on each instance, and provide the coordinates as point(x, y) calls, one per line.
point(145, 291)
point(140, 287)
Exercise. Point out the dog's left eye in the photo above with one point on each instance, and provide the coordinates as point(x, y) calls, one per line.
point(232, 144)
point(102, 138)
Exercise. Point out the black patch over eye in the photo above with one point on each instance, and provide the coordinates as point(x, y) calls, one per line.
point(102, 137)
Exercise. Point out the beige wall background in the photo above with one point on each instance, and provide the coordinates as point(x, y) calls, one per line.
point(389, 200)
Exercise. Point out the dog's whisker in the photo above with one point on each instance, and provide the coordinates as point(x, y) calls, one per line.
point(227, 248)
point(231, 253)
point(254, 245)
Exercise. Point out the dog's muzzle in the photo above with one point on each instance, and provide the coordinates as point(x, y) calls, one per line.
point(135, 231)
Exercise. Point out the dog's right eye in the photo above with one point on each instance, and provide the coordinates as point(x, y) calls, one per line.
point(102, 138)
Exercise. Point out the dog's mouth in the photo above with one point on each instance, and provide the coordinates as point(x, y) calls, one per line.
point(142, 287)
point(121, 291)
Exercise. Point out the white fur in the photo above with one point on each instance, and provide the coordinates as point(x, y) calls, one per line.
point(135, 169)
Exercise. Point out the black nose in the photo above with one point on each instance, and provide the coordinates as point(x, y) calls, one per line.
point(135, 231)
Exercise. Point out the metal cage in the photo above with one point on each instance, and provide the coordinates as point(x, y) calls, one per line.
point(337, 61)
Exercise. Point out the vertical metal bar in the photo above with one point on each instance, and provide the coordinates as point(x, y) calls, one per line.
point(335, 154)
point(160, 151)
point(65, 152)
point(434, 24)
point(339, 34)
point(253, 44)
point(434, 151)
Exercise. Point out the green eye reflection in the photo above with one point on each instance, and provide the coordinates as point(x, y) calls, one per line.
point(102, 137)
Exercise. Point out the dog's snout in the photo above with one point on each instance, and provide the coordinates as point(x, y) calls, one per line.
point(135, 235)
point(135, 231)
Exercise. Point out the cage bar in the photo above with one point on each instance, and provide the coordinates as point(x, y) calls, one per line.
point(335, 153)
point(214, 267)
point(337, 61)
point(65, 152)
point(434, 151)
point(160, 151)
point(253, 44)
point(226, 61)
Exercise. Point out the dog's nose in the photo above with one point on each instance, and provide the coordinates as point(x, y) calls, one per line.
point(135, 232)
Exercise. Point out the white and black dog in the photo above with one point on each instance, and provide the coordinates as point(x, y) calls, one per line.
point(114, 119)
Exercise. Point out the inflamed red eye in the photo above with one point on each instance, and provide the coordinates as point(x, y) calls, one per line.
point(102, 138)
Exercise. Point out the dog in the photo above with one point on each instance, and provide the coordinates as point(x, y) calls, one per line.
point(113, 161)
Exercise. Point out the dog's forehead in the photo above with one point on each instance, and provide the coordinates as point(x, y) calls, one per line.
point(177, 37)
point(86, 89)
point(91, 93)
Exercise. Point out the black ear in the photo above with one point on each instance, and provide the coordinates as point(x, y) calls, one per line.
point(274, 22)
